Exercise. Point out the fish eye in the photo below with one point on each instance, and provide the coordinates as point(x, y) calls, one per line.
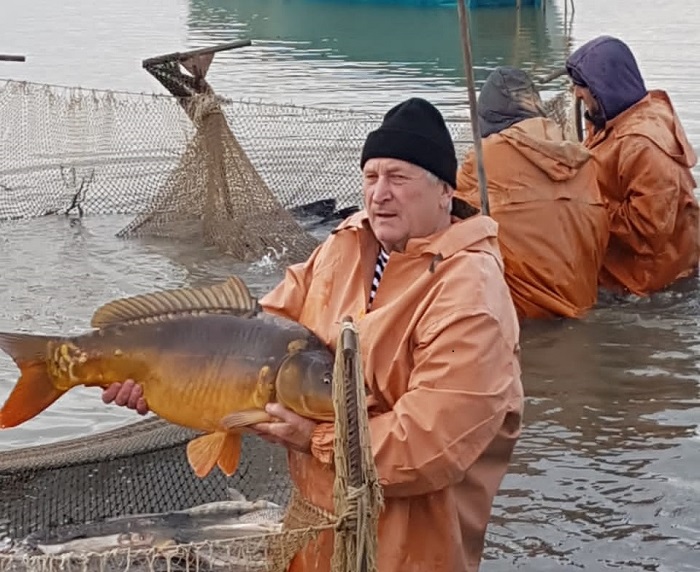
point(328, 378)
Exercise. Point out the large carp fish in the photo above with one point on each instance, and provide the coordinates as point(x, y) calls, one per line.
point(207, 358)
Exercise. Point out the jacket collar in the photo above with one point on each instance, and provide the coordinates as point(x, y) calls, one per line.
point(477, 233)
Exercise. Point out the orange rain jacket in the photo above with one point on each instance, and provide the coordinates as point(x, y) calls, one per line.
point(643, 161)
point(553, 226)
point(441, 355)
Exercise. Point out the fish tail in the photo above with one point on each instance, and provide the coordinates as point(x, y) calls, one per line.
point(34, 390)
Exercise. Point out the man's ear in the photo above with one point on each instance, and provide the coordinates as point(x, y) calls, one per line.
point(446, 194)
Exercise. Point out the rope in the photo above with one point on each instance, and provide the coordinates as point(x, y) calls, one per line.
point(357, 494)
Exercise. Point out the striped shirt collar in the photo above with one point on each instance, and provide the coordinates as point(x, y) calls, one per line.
point(382, 259)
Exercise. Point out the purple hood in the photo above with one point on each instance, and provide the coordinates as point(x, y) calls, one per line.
point(607, 67)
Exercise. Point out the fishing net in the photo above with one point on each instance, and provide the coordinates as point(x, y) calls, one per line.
point(83, 480)
point(87, 481)
point(174, 162)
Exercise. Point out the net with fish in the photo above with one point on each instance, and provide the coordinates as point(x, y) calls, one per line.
point(174, 162)
point(110, 483)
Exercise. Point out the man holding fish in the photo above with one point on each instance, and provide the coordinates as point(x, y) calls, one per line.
point(422, 276)
point(439, 338)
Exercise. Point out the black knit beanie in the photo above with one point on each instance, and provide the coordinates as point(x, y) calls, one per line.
point(415, 131)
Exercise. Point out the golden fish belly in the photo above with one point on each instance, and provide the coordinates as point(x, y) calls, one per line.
point(194, 370)
point(199, 393)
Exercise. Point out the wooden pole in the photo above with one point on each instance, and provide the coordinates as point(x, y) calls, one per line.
point(166, 69)
point(552, 76)
point(10, 58)
point(469, 74)
point(179, 56)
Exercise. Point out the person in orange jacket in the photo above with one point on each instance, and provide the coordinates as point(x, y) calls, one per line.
point(440, 346)
point(542, 189)
point(644, 162)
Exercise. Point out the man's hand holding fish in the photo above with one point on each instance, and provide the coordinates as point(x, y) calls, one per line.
point(128, 394)
point(286, 427)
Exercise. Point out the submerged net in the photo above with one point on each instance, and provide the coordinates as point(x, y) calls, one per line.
point(141, 468)
point(250, 178)
point(37, 497)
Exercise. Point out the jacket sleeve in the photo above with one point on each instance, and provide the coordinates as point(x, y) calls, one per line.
point(462, 386)
point(287, 298)
point(647, 216)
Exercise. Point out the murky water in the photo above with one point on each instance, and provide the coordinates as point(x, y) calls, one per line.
point(605, 476)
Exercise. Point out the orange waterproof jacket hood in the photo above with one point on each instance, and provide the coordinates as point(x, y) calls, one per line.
point(540, 141)
point(441, 357)
point(553, 226)
point(643, 161)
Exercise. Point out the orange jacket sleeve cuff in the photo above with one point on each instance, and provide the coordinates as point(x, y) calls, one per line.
point(322, 442)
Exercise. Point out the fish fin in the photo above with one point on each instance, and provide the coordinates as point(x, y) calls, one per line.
point(240, 419)
point(230, 297)
point(34, 390)
point(33, 393)
point(230, 454)
point(204, 452)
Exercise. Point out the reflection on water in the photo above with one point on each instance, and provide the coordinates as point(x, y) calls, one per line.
point(356, 58)
point(605, 475)
point(606, 462)
point(339, 30)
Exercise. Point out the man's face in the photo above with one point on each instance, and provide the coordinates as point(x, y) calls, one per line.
point(588, 100)
point(403, 201)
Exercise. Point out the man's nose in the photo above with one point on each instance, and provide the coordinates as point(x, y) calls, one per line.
point(382, 190)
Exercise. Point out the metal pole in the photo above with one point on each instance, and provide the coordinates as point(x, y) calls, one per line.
point(469, 73)
point(10, 58)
